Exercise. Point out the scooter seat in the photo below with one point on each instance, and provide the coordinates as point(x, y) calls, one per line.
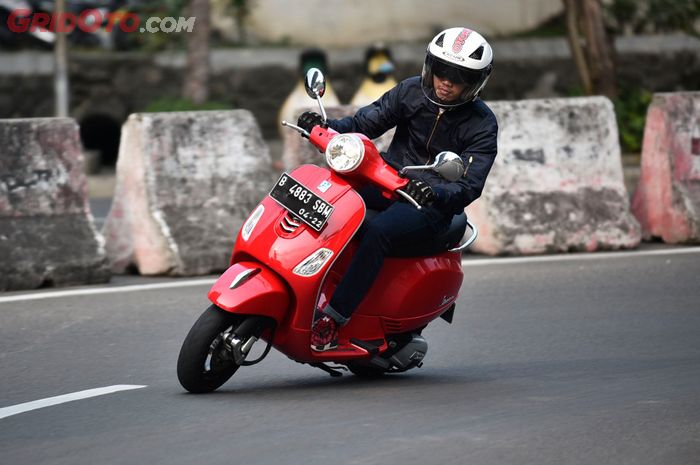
point(434, 246)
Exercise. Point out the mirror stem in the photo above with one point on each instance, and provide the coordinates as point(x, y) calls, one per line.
point(323, 110)
point(416, 168)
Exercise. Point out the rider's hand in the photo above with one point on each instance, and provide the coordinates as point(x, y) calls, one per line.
point(308, 120)
point(420, 191)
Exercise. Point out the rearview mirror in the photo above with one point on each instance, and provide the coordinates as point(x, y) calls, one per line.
point(315, 83)
point(449, 165)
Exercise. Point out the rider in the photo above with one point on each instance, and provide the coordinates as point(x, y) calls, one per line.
point(438, 111)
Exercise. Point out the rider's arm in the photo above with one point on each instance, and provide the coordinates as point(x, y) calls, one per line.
point(455, 196)
point(376, 118)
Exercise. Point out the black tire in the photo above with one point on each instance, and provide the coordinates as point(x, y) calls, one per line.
point(203, 364)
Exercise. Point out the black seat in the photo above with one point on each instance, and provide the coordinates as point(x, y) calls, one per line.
point(434, 246)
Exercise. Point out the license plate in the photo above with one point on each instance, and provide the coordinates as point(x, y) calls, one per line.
point(300, 201)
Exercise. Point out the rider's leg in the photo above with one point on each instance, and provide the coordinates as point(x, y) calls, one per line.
point(400, 224)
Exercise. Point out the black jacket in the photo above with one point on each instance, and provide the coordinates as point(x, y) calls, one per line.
point(422, 132)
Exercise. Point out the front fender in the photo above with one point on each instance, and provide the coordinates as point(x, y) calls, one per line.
point(251, 288)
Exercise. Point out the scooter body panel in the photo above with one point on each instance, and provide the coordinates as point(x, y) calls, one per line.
point(421, 290)
point(282, 251)
point(250, 288)
point(408, 293)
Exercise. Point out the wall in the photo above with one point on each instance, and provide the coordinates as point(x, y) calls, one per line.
point(350, 23)
point(115, 85)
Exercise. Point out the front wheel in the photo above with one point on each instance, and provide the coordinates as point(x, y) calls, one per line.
point(204, 363)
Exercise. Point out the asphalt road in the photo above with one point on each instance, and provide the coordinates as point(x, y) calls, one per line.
point(561, 361)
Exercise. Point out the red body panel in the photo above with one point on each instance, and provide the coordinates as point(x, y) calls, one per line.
point(373, 169)
point(263, 294)
point(282, 251)
point(408, 294)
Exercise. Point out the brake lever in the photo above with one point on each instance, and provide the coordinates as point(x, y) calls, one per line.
point(409, 198)
point(302, 131)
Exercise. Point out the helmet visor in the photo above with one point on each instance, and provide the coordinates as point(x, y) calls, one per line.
point(456, 74)
point(473, 80)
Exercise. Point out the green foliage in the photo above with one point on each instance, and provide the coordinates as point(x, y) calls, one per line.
point(158, 8)
point(242, 6)
point(675, 14)
point(151, 42)
point(631, 110)
point(553, 27)
point(178, 104)
point(655, 15)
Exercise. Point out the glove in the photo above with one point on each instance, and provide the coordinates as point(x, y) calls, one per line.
point(308, 120)
point(420, 191)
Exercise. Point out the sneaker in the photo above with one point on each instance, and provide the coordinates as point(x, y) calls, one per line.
point(324, 334)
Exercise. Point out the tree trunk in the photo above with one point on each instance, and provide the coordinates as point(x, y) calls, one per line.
point(61, 66)
point(196, 85)
point(240, 16)
point(595, 60)
point(600, 49)
point(575, 45)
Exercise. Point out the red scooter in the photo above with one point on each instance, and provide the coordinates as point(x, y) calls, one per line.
point(293, 250)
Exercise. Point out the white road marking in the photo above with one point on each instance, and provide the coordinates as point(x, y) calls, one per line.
point(106, 290)
point(468, 262)
point(577, 256)
point(49, 401)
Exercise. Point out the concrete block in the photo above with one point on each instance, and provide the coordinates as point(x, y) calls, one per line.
point(47, 234)
point(667, 198)
point(186, 181)
point(298, 151)
point(557, 183)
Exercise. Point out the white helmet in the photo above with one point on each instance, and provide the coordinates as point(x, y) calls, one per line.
point(461, 55)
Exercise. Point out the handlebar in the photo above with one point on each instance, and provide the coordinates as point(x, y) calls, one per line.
point(378, 172)
point(409, 198)
point(301, 131)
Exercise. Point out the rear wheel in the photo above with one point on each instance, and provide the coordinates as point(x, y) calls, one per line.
point(205, 363)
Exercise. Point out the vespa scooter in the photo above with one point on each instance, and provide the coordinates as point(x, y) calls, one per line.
point(292, 251)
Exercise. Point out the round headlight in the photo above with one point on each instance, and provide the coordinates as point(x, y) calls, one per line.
point(345, 152)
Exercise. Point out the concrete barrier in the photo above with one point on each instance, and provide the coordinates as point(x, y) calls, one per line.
point(185, 183)
point(298, 151)
point(47, 235)
point(557, 183)
point(667, 198)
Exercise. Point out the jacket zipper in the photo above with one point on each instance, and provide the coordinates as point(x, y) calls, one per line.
point(430, 139)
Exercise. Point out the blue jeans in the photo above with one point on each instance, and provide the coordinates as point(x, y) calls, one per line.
point(398, 225)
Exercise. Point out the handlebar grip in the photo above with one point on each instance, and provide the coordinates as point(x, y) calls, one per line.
point(409, 198)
